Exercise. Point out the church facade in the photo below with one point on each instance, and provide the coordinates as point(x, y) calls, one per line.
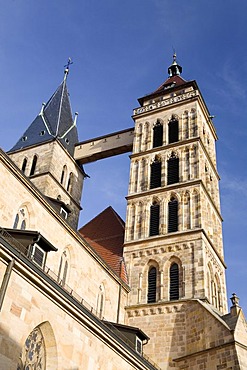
point(146, 294)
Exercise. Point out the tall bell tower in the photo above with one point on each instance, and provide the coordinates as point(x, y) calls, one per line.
point(173, 240)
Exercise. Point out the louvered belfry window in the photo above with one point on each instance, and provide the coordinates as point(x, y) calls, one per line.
point(173, 131)
point(173, 170)
point(174, 282)
point(172, 215)
point(157, 135)
point(154, 219)
point(152, 278)
point(155, 179)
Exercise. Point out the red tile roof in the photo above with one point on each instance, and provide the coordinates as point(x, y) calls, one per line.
point(105, 234)
point(178, 80)
point(170, 84)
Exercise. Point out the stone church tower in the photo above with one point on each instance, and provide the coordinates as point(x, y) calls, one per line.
point(45, 152)
point(173, 237)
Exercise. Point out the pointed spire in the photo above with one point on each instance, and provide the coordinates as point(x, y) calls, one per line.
point(175, 69)
point(54, 121)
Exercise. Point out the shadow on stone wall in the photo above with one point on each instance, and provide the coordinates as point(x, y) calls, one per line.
point(9, 351)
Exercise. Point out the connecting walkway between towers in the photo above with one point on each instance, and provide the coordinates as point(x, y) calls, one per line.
point(104, 146)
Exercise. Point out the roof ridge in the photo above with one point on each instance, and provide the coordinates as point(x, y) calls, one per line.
point(60, 106)
point(120, 220)
point(55, 120)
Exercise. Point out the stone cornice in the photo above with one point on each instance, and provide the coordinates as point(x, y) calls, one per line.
point(171, 238)
point(163, 189)
point(168, 102)
point(159, 149)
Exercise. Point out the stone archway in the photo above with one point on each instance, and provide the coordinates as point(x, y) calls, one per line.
point(39, 351)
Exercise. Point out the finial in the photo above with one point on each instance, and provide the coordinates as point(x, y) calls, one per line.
point(42, 109)
point(66, 71)
point(175, 69)
point(76, 115)
point(234, 299)
point(174, 57)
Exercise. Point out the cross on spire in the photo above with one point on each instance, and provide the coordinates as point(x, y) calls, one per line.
point(67, 66)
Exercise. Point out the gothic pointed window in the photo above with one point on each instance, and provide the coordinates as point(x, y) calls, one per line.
point(173, 131)
point(21, 218)
point(157, 135)
point(23, 225)
point(173, 215)
point(16, 222)
point(63, 269)
point(152, 285)
point(155, 179)
point(63, 175)
point(70, 182)
point(33, 355)
point(24, 165)
point(173, 170)
point(33, 167)
point(174, 282)
point(154, 219)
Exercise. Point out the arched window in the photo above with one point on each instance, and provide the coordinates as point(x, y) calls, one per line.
point(173, 215)
point(21, 219)
point(152, 285)
point(33, 167)
point(154, 219)
point(33, 355)
point(39, 350)
point(173, 169)
point(70, 182)
point(24, 165)
point(23, 225)
point(157, 135)
point(63, 269)
point(155, 179)
point(16, 222)
point(173, 131)
point(174, 282)
point(63, 175)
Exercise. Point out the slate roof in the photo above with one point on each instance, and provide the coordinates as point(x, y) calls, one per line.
point(53, 122)
point(105, 234)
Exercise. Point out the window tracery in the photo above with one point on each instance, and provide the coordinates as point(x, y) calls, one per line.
point(33, 353)
point(21, 218)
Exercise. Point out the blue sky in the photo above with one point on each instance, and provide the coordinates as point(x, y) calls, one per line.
point(121, 51)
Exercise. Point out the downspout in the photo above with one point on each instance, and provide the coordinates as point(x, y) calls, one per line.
point(119, 295)
point(119, 301)
point(5, 281)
